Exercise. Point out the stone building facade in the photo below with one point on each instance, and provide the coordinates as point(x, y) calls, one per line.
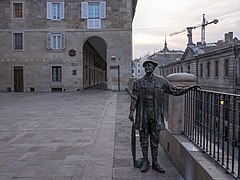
point(65, 45)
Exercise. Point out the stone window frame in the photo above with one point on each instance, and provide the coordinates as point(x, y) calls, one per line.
point(93, 23)
point(14, 43)
point(13, 10)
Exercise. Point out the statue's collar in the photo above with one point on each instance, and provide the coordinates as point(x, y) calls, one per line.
point(149, 77)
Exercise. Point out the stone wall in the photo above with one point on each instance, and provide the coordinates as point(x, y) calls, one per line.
point(36, 60)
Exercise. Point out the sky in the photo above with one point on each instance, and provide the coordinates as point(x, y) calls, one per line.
point(156, 19)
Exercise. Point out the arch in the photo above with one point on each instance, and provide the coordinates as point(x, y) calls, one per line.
point(94, 50)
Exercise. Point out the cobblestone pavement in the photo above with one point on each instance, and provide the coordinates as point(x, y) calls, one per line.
point(61, 136)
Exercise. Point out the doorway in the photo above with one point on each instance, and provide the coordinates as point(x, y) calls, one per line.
point(18, 79)
point(94, 62)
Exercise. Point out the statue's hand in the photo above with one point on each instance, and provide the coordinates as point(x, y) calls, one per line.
point(131, 116)
point(195, 87)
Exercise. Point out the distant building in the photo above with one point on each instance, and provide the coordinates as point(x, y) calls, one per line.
point(166, 56)
point(136, 68)
point(65, 45)
point(163, 57)
point(216, 65)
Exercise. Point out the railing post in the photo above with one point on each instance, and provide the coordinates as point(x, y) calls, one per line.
point(176, 103)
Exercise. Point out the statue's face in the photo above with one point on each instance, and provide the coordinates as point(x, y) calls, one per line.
point(149, 67)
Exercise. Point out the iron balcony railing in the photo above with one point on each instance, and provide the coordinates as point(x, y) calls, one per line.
point(211, 121)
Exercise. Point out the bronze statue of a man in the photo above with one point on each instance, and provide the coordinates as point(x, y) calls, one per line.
point(147, 99)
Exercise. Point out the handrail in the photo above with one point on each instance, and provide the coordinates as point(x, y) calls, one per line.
point(211, 121)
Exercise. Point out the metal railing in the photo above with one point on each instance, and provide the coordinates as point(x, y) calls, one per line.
point(211, 121)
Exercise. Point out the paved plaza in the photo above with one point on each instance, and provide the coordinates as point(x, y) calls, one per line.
point(70, 136)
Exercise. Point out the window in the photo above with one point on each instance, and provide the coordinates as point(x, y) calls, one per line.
point(55, 11)
point(208, 69)
point(216, 68)
point(56, 74)
point(188, 69)
point(17, 10)
point(201, 70)
point(17, 41)
point(74, 72)
point(55, 41)
point(226, 68)
point(94, 12)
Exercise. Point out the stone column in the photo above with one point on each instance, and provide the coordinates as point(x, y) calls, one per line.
point(176, 103)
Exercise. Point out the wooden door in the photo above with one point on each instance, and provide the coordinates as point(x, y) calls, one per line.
point(18, 79)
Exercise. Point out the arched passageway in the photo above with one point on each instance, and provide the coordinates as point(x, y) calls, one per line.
point(94, 62)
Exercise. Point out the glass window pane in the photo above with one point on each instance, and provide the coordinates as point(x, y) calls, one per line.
point(56, 10)
point(17, 10)
point(18, 41)
point(94, 10)
point(56, 41)
point(59, 42)
point(56, 73)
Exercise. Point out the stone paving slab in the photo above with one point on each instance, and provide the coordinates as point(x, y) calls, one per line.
point(61, 136)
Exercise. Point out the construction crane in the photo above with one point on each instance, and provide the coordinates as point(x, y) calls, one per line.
point(189, 30)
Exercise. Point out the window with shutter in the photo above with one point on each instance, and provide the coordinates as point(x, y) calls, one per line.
point(93, 12)
point(49, 41)
point(63, 41)
point(55, 41)
point(103, 10)
point(55, 11)
point(49, 10)
point(84, 10)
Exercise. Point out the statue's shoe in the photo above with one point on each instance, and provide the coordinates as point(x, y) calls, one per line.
point(145, 166)
point(158, 168)
point(139, 163)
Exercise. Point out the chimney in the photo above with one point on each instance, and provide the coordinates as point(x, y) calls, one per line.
point(226, 38)
point(230, 36)
point(199, 44)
